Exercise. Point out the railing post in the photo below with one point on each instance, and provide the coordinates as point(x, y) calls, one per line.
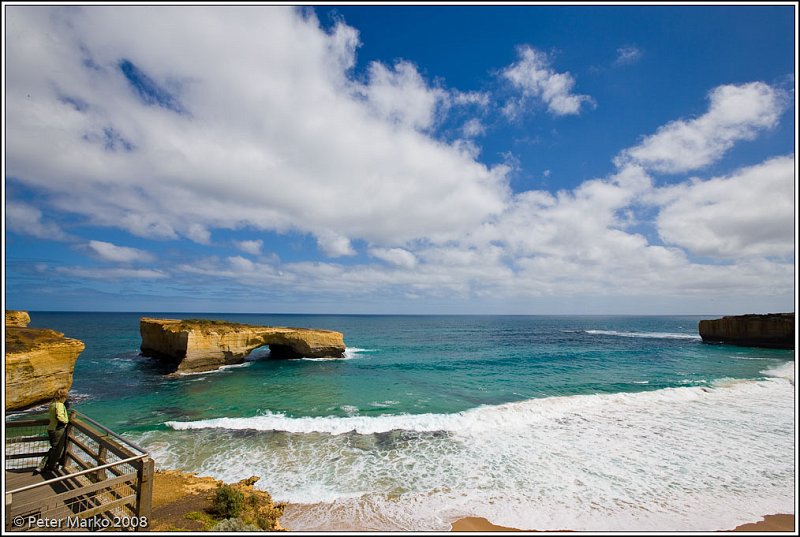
point(144, 492)
point(102, 453)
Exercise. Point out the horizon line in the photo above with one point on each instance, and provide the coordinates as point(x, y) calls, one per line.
point(178, 312)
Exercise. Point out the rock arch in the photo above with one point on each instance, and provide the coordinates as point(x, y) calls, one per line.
point(202, 345)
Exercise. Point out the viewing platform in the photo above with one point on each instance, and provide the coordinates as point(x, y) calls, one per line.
point(106, 482)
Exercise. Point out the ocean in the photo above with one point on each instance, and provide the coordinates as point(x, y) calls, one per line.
point(536, 422)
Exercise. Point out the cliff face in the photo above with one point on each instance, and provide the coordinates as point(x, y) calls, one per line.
point(38, 363)
point(200, 345)
point(774, 330)
point(17, 318)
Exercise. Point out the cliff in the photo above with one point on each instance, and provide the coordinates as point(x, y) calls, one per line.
point(773, 330)
point(17, 318)
point(201, 345)
point(39, 362)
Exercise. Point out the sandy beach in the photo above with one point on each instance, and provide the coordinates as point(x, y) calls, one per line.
point(780, 522)
point(770, 523)
point(177, 494)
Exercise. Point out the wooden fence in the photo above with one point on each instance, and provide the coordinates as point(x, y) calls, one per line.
point(105, 483)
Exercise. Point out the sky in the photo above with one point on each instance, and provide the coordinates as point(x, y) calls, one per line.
point(468, 159)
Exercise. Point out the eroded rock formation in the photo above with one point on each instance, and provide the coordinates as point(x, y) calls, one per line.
point(201, 345)
point(17, 318)
point(773, 330)
point(39, 362)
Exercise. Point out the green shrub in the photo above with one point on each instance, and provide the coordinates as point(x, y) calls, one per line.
point(263, 512)
point(234, 524)
point(228, 502)
point(203, 518)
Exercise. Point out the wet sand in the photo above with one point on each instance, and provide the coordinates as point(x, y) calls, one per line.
point(768, 523)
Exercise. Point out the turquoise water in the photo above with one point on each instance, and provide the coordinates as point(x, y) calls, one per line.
point(602, 422)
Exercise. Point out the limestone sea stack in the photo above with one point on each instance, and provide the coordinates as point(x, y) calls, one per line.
point(39, 362)
point(772, 330)
point(202, 345)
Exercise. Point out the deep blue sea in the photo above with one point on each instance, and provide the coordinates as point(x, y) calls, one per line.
point(539, 422)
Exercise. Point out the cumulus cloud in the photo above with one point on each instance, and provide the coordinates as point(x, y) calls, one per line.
point(258, 123)
point(119, 254)
point(250, 247)
point(749, 213)
point(265, 127)
point(26, 219)
point(401, 96)
point(736, 113)
point(395, 256)
point(578, 243)
point(577, 233)
point(334, 245)
point(535, 79)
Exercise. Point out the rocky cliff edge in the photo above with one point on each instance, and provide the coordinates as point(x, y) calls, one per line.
point(39, 362)
point(772, 330)
point(17, 318)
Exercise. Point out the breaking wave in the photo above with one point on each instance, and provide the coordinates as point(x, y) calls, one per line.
point(483, 419)
point(652, 335)
point(612, 462)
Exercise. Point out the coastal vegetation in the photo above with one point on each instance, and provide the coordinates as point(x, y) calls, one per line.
point(206, 325)
point(185, 502)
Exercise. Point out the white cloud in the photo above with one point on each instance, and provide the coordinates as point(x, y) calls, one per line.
point(275, 135)
point(736, 112)
point(240, 269)
point(581, 227)
point(112, 273)
point(575, 245)
point(401, 96)
point(534, 77)
point(27, 220)
point(749, 213)
point(334, 245)
point(119, 254)
point(198, 234)
point(395, 256)
point(250, 247)
point(343, 44)
point(241, 264)
point(628, 55)
point(473, 128)
point(467, 98)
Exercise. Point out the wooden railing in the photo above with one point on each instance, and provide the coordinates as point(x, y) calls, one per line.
point(105, 483)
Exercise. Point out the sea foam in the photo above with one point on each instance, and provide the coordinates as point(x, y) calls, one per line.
point(652, 335)
point(689, 458)
point(698, 458)
point(349, 354)
point(480, 420)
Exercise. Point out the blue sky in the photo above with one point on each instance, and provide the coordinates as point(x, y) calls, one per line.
point(399, 159)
